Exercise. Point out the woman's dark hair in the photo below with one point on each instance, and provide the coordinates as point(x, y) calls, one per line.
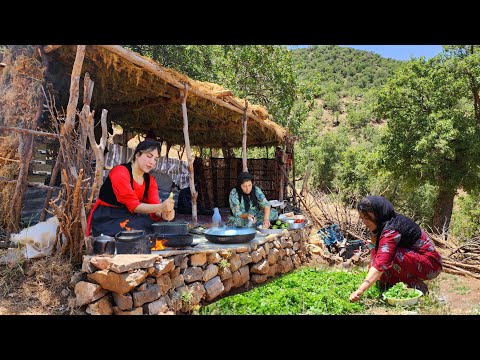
point(146, 146)
point(244, 177)
point(386, 218)
point(381, 208)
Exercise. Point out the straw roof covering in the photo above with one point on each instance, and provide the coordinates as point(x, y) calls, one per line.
point(141, 95)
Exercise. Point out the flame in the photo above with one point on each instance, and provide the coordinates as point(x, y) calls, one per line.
point(123, 224)
point(159, 244)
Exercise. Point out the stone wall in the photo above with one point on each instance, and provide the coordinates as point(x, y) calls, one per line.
point(178, 281)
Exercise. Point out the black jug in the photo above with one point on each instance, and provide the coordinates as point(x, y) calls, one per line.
point(134, 242)
point(103, 244)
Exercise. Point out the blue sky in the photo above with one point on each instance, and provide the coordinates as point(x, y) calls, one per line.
point(397, 52)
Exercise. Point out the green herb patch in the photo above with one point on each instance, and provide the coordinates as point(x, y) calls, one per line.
point(304, 291)
point(400, 291)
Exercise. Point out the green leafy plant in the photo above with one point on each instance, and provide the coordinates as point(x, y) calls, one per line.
point(306, 291)
point(223, 264)
point(186, 297)
point(400, 291)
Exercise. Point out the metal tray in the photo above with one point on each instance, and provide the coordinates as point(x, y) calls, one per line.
point(229, 235)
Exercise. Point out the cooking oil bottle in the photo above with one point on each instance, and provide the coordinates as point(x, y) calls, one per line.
point(216, 218)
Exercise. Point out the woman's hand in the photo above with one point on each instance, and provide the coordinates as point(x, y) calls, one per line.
point(249, 217)
point(266, 223)
point(168, 215)
point(167, 205)
point(354, 296)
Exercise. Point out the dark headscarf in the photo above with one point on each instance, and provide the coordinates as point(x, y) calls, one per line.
point(387, 218)
point(244, 177)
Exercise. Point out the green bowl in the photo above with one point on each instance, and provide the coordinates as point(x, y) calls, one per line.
point(403, 302)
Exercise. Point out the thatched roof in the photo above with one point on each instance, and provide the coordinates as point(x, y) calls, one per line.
point(140, 95)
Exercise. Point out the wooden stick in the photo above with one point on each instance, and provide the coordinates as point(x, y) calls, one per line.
point(29, 131)
point(41, 186)
point(193, 191)
point(7, 159)
point(283, 176)
point(455, 270)
point(460, 264)
point(244, 138)
point(53, 177)
point(74, 86)
point(222, 93)
point(50, 48)
point(98, 150)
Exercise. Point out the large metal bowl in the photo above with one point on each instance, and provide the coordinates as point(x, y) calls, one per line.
point(229, 235)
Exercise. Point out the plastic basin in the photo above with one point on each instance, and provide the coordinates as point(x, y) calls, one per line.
point(403, 302)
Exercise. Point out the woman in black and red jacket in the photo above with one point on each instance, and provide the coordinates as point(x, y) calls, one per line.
point(402, 251)
point(128, 198)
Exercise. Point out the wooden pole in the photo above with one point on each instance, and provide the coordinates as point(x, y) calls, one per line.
point(74, 87)
point(29, 183)
point(282, 175)
point(293, 177)
point(244, 138)
point(49, 48)
point(29, 131)
point(98, 149)
point(66, 132)
point(193, 191)
point(7, 159)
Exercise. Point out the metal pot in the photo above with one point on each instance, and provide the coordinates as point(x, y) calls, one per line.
point(134, 242)
point(175, 240)
point(103, 244)
point(171, 228)
point(229, 235)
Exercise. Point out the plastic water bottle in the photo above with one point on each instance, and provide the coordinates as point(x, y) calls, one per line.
point(216, 218)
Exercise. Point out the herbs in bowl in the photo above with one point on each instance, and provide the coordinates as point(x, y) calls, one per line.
point(401, 295)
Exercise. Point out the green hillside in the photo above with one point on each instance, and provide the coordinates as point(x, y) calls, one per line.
point(331, 67)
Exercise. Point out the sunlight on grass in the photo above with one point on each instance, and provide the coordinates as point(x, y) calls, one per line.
point(307, 291)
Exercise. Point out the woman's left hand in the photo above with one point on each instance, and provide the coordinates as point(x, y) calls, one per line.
point(266, 223)
point(354, 296)
point(168, 215)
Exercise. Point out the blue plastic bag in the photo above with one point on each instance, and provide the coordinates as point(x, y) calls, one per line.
point(331, 234)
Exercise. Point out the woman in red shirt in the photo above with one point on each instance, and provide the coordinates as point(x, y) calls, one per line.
point(403, 251)
point(128, 198)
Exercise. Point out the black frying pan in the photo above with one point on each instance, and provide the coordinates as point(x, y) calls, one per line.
point(229, 235)
point(175, 240)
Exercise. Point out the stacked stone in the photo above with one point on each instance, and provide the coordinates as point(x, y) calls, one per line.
point(178, 283)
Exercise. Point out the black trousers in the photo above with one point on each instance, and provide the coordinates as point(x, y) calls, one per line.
point(106, 220)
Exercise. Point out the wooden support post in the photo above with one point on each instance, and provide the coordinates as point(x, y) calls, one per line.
point(244, 138)
point(282, 175)
point(74, 87)
point(193, 191)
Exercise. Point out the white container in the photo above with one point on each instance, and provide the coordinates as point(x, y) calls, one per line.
point(403, 302)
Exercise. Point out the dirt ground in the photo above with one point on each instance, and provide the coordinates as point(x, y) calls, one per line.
point(43, 289)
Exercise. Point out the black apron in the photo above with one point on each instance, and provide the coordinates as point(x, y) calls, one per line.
point(106, 220)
